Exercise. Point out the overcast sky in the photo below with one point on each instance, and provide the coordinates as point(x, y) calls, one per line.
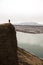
point(21, 11)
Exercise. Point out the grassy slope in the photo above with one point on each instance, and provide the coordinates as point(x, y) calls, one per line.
point(26, 58)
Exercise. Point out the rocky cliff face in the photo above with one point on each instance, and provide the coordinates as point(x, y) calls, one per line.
point(8, 45)
point(26, 58)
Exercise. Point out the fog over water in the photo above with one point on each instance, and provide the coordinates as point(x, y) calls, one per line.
point(32, 43)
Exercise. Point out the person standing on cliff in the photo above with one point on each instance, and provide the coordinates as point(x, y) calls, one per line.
point(9, 20)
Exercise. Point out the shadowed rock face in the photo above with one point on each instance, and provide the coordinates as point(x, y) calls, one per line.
point(8, 45)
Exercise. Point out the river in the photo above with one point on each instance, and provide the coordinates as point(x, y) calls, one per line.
point(32, 43)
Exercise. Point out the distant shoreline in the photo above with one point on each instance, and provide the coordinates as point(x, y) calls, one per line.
point(29, 29)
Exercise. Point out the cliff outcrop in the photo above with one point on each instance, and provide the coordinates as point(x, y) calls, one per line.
point(8, 45)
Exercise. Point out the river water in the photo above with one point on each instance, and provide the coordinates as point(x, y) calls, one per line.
point(32, 43)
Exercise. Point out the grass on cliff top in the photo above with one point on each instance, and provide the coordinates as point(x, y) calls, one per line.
point(5, 24)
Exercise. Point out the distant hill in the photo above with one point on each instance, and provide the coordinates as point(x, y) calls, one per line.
point(29, 23)
point(26, 58)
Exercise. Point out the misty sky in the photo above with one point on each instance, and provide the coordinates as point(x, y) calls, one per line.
point(21, 11)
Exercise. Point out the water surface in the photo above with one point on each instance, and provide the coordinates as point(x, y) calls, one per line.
point(32, 43)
